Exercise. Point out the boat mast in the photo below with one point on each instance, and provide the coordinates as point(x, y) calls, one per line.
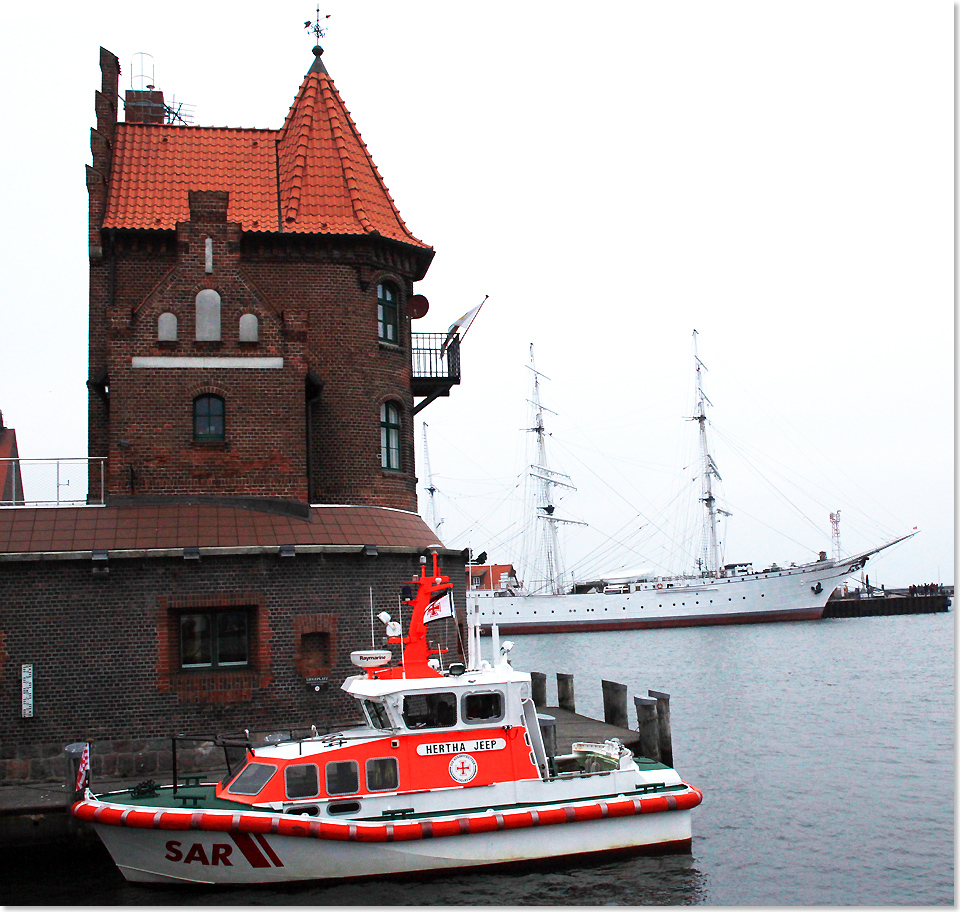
point(710, 549)
point(547, 480)
point(430, 487)
point(835, 535)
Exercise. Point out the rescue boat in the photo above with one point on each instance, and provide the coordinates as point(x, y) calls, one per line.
point(449, 769)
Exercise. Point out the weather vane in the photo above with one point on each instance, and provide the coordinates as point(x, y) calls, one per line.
point(315, 26)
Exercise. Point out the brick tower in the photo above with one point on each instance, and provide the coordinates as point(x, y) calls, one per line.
point(252, 382)
point(249, 334)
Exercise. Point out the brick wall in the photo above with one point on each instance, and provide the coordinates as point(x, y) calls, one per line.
point(106, 668)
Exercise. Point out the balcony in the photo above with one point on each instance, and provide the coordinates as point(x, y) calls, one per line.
point(79, 481)
point(435, 368)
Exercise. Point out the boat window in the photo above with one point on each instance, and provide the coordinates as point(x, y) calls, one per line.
point(302, 780)
point(482, 707)
point(343, 777)
point(344, 807)
point(382, 775)
point(252, 778)
point(431, 710)
point(376, 714)
point(304, 810)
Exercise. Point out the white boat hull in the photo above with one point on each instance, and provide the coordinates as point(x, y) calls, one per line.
point(196, 856)
point(794, 594)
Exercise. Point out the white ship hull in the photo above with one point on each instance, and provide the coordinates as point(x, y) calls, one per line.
point(197, 856)
point(794, 594)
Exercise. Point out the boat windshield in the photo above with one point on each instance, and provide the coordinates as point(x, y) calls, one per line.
point(376, 714)
point(252, 778)
point(430, 710)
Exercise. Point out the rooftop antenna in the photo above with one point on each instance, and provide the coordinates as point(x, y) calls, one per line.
point(142, 72)
point(143, 78)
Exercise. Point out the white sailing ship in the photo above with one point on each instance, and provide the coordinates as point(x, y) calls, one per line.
point(716, 594)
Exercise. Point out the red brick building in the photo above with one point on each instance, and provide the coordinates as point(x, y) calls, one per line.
point(490, 577)
point(253, 378)
point(263, 274)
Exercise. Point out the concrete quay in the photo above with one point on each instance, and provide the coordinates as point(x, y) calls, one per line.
point(37, 813)
point(879, 604)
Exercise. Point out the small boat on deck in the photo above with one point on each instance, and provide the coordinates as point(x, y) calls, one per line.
point(449, 770)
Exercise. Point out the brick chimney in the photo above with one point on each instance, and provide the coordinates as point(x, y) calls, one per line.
point(144, 106)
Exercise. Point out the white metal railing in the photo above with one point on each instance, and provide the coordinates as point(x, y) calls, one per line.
point(52, 482)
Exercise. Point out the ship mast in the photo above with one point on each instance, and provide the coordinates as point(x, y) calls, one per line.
point(547, 481)
point(430, 488)
point(711, 562)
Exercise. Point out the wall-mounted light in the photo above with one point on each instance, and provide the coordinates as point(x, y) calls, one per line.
point(288, 550)
point(191, 554)
point(370, 550)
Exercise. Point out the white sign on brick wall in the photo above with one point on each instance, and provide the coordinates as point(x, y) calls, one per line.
point(26, 691)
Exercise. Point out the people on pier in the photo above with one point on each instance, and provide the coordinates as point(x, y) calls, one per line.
point(927, 589)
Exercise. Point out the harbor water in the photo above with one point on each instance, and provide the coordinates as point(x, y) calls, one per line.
point(825, 752)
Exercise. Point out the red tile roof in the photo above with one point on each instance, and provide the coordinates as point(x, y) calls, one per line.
point(487, 576)
point(155, 165)
point(327, 181)
point(174, 526)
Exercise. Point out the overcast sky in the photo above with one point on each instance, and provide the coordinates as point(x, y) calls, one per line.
point(777, 176)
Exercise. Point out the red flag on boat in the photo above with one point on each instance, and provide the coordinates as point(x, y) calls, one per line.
point(441, 608)
point(84, 766)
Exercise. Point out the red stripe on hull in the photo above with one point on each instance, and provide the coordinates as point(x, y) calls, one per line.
point(250, 850)
point(762, 617)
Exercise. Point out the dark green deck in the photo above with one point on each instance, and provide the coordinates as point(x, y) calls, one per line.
point(201, 797)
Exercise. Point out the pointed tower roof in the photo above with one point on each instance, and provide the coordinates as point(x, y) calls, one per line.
point(312, 176)
point(328, 181)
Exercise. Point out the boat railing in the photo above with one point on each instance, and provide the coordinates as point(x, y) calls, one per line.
point(244, 740)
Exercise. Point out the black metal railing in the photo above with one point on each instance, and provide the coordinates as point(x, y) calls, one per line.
point(434, 358)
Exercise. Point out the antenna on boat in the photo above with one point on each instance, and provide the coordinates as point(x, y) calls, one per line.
point(373, 632)
point(400, 624)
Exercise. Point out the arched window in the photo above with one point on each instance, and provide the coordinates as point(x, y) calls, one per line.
point(387, 328)
point(249, 328)
point(208, 418)
point(389, 436)
point(167, 327)
point(208, 316)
